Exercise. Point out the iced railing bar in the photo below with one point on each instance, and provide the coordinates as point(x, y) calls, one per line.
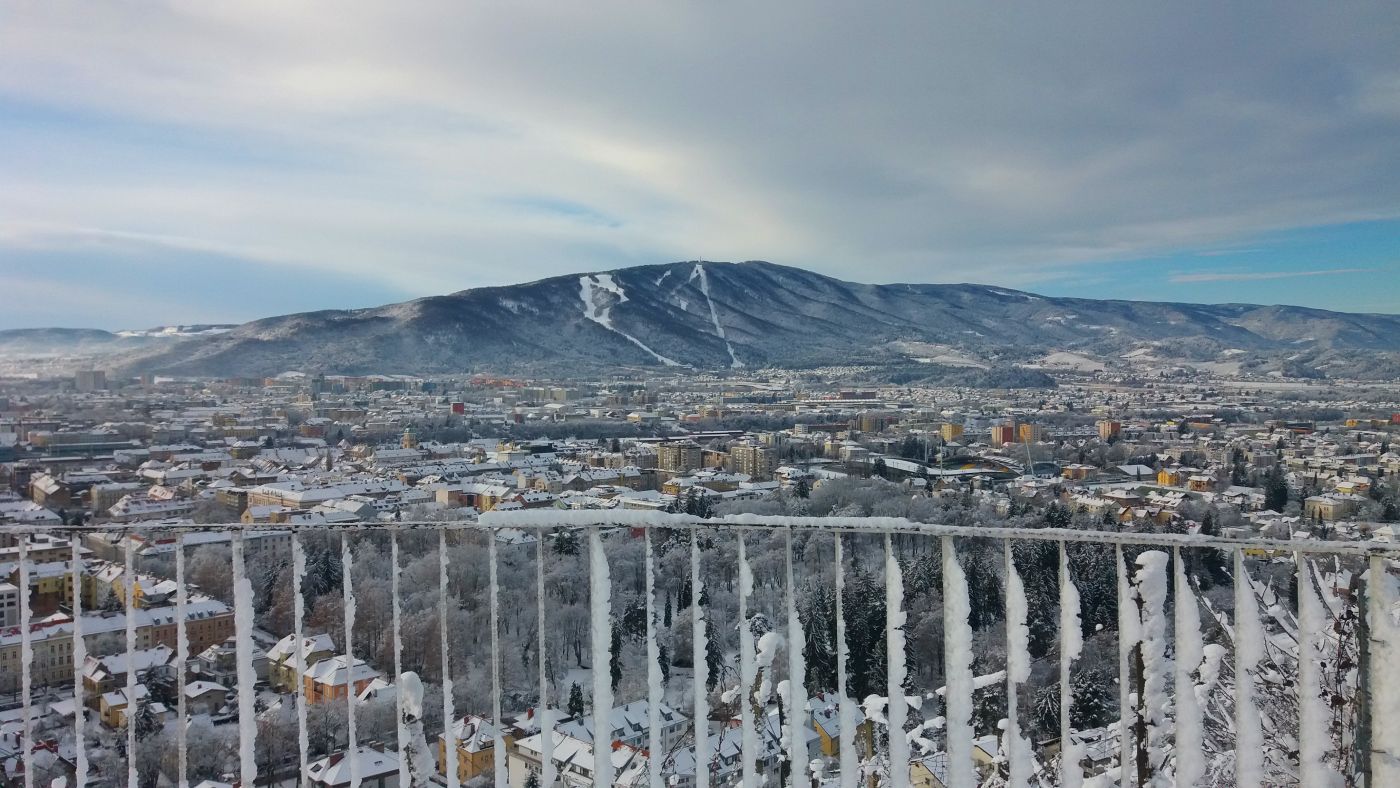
point(26, 658)
point(1189, 653)
point(748, 664)
point(243, 650)
point(957, 651)
point(654, 679)
point(845, 716)
point(1127, 641)
point(498, 743)
point(347, 588)
point(546, 739)
point(898, 709)
point(129, 577)
point(401, 729)
point(1249, 652)
point(1071, 644)
point(1382, 599)
point(449, 714)
point(600, 608)
point(299, 617)
point(79, 657)
point(492, 521)
point(698, 651)
point(797, 675)
point(1020, 764)
point(182, 656)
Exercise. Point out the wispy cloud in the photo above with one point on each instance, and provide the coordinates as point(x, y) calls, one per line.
point(1252, 276)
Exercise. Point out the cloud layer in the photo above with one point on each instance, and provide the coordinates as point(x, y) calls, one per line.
point(446, 145)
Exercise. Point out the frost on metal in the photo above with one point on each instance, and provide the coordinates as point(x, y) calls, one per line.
point(347, 588)
point(957, 648)
point(243, 653)
point(600, 608)
point(299, 618)
point(1190, 652)
point(1383, 600)
point(896, 671)
point(498, 744)
point(129, 584)
point(1020, 761)
point(1128, 626)
point(449, 714)
point(797, 674)
point(845, 707)
point(1314, 708)
point(1249, 653)
point(747, 671)
point(655, 691)
point(699, 647)
point(79, 657)
point(1150, 595)
point(26, 658)
point(1071, 645)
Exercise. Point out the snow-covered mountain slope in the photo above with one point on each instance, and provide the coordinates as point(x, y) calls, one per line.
point(734, 315)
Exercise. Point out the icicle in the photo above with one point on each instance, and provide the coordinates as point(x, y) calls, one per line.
point(1127, 641)
point(747, 671)
point(243, 652)
point(845, 711)
point(80, 657)
point(957, 649)
point(299, 617)
point(1071, 645)
point(600, 608)
point(347, 591)
point(1249, 652)
point(498, 743)
point(1190, 652)
point(1020, 762)
point(895, 669)
point(700, 660)
point(1381, 602)
point(129, 580)
point(26, 658)
point(413, 752)
point(655, 691)
point(546, 724)
point(797, 680)
point(182, 656)
point(449, 714)
point(1314, 710)
point(401, 730)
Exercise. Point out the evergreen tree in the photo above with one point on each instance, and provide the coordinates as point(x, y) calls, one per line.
point(1275, 490)
point(666, 613)
point(880, 468)
point(663, 658)
point(575, 705)
point(802, 488)
point(615, 658)
point(714, 661)
point(565, 541)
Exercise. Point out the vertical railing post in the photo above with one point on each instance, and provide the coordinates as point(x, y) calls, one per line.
point(182, 656)
point(1249, 652)
point(700, 664)
point(347, 590)
point(129, 579)
point(600, 605)
point(655, 757)
point(797, 678)
point(747, 671)
point(79, 658)
point(1018, 672)
point(243, 653)
point(845, 718)
point(1071, 644)
point(895, 670)
point(1384, 689)
point(1189, 652)
point(26, 657)
point(541, 648)
point(498, 744)
point(298, 624)
point(957, 649)
point(1127, 641)
point(401, 729)
point(449, 712)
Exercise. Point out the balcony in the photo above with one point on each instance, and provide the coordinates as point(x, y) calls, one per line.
point(511, 650)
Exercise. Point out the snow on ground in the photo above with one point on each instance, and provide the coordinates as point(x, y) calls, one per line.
point(592, 290)
point(699, 273)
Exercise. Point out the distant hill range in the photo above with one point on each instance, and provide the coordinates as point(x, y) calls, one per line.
point(731, 316)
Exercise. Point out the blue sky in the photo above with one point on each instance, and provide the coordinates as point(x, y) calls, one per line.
point(220, 162)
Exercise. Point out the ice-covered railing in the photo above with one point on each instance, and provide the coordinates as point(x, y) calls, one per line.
point(1168, 674)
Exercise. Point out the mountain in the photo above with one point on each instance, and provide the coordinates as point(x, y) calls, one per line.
point(740, 315)
point(86, 342)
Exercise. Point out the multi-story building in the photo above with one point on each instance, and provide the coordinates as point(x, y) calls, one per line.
point(1003, 434)
point(679, 456)
point(1109, 429)
point(950, 432)
point(757, 462)
point(1030, 433)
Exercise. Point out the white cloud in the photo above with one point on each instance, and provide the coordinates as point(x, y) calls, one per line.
point(1251, 276)
point(924, 142)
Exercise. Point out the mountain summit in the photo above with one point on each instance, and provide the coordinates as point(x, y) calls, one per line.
point(710, 316)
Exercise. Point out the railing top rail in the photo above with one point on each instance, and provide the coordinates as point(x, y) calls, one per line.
point(595, 518)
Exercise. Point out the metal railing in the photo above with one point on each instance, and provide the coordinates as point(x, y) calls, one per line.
point(1161, 660)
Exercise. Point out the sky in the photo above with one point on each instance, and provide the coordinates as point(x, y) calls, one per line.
point(204, 161)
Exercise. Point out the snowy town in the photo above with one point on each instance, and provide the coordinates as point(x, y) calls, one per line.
point(182, 565)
